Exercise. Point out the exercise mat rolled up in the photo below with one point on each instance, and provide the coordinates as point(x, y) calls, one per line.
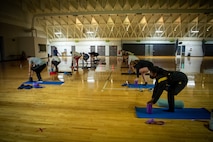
point(164, 103)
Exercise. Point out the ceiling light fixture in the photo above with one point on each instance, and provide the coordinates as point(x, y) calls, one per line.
point(158, 31)
point(89, 32)
point(58, 33)
point(194, 31)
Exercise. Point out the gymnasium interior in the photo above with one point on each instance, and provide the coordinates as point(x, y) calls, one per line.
point(96, 102)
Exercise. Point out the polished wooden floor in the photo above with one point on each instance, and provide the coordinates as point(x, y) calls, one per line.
point(92, 106)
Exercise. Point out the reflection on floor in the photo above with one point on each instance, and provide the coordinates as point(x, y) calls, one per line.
point(91, 105)
point(184, 64)
point(194, 67)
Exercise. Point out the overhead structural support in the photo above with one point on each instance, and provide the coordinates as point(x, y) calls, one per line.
point(116, 12)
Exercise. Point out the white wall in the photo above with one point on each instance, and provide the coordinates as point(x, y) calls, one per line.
point(83, 45)
point(189, 64)
point(38, 41)
point(196, 48)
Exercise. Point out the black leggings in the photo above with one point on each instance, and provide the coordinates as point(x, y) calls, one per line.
point(55, 63)
point(38, 70)
point(174, 90)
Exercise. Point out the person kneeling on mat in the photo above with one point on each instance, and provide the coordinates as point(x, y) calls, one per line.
point(36, 65)
point(171, 81)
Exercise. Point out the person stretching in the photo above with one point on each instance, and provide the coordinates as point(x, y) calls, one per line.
point(35, 65)
point(171, 81)
point(75, 57)
point(140, 67)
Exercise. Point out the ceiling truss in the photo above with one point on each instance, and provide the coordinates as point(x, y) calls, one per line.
point(77, 19)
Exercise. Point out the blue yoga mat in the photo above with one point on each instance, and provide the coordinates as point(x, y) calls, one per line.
point(141, 86)
point(185, 113)
point(45, 82)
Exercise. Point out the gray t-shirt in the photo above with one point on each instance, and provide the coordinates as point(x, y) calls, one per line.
point(36, 61)
point(56, 58)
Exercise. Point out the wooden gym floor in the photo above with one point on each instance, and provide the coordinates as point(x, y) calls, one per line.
point(92, 106)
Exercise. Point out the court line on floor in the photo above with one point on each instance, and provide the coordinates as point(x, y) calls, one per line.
point(128, 89)
point(106, 82)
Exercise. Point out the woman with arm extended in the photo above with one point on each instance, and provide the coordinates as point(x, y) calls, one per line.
point(35, 65)
point(141, 67)
point(171, 81)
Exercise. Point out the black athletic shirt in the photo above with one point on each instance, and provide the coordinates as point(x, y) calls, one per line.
point(166, 78)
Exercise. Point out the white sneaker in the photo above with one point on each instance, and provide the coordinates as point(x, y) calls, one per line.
point(40, 81)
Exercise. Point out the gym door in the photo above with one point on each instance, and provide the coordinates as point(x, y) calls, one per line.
point(112, 50)
point(101, 50)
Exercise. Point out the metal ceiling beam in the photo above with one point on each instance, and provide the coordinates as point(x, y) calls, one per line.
point(115, 12)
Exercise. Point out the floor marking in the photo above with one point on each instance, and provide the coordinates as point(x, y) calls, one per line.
point(109, 75)
point(120, 89)
point(106, 82)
